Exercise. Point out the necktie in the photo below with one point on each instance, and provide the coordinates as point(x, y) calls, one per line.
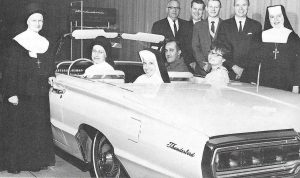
point(212, 27)
point(240, 28)
point(175, 28)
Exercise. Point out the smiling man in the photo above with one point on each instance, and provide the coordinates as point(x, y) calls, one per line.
point(197, 10)
point(204, 33)
point(236, 33)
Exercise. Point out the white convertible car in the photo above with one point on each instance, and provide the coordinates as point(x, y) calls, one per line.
point(180, 129)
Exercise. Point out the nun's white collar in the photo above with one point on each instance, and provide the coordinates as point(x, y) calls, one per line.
point(276, 35)
point(33, 42)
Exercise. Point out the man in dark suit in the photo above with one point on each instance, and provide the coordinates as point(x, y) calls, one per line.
point(197, 8)
point(171, 27)
point(236, 34)
point(204, 33)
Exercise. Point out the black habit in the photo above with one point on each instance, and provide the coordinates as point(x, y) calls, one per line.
point(280, 62)
point(277, 49)
point(27, 135)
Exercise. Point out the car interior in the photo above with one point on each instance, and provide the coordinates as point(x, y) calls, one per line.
point(125, 71)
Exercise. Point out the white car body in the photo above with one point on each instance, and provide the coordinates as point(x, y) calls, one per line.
point(185, 128)
point(141, 121)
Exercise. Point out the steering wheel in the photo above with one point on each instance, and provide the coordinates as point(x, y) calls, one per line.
point(78, 60)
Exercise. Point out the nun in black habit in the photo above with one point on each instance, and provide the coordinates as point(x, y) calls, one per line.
point(27, 136)
point(277, 49)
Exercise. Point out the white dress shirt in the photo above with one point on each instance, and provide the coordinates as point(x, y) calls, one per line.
point(171, 23)
point(237, 21)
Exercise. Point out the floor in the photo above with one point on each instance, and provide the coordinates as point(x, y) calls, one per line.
point(65, 166)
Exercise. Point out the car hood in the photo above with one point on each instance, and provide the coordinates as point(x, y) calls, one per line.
point(237, 108)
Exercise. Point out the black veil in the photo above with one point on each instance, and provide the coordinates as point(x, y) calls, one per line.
point(105, 43)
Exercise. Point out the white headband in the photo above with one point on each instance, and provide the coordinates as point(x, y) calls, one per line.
point(147, 54)
point(275, 10)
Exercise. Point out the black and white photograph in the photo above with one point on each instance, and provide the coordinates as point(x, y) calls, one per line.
point(150, 88)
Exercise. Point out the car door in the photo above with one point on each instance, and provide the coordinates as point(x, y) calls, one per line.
point(56, 113)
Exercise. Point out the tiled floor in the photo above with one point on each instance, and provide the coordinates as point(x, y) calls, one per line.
point(62, 169)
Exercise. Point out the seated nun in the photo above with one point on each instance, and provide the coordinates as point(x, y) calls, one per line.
point(154, 68)
point(101, 57)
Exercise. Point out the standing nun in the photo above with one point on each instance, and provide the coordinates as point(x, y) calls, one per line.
point(29, 73)
point(277, 49)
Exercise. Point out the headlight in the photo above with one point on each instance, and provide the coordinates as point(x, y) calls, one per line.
point(242, 158)
point(257, 154)
point(228, 160)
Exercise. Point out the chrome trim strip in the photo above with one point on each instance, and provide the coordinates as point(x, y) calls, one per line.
point(287, 168)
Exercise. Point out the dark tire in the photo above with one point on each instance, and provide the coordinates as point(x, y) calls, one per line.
point(105, 163)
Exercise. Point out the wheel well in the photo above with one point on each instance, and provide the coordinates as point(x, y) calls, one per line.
point(84, 137)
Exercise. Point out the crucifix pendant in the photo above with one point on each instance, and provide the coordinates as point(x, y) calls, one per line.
point(275, 51)
point(38, 62)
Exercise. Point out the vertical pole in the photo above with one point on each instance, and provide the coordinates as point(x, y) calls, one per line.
point(71, 29)
point(81, 19)
point(258, 78)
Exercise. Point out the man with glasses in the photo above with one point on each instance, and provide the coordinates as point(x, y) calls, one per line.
point(204, 33)
point(171, 27)
point(236, 34)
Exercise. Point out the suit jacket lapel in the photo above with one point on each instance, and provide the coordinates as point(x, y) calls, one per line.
point(168, 28)
point(247, 26)
point(233, 24)
point(206, 25)
point(181, 26)
point(217, 29)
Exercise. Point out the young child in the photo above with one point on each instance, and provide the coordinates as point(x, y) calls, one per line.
point(219, 74)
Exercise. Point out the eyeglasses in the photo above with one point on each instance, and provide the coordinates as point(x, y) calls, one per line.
point(97, 51)
point(215, 53)
point(175, 8)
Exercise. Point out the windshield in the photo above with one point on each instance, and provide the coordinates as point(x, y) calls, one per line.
point(123, 49)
